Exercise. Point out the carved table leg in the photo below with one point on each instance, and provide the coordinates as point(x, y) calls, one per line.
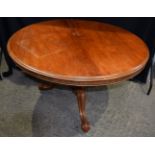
point(80, 93)
point(46, 86)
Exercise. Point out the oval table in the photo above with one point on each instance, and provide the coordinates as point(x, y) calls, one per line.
point(78, 54)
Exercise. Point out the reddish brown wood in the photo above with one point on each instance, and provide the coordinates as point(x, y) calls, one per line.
point(76, 52)
point(81, 97)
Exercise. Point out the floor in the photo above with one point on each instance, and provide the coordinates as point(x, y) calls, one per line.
point(122, 110)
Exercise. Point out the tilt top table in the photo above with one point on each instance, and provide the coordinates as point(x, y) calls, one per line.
point(78, 54)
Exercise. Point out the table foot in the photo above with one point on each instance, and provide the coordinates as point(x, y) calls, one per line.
point(45, 86)
point(81, 97)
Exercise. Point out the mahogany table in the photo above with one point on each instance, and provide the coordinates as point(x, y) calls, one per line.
point(78, 54)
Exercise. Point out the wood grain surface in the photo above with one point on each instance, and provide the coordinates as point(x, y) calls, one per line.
point(78, 52)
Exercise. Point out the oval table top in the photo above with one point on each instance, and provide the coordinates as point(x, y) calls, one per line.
point(78, 52)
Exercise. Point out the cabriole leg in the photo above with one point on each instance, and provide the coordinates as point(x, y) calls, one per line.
point(81, 97)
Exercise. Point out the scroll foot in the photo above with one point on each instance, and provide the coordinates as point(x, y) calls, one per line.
point(45, 86)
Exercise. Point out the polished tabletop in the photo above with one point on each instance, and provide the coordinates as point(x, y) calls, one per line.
point(78, 52)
